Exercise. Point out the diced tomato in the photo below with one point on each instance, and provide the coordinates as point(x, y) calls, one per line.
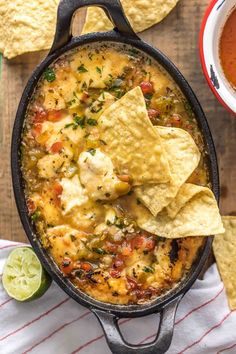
point(86, 266)
point(40, 116)
point(137, 242)
point(150, 244)
point(132, 284)
point(119, 262)
point(126, 251)
point(115, 273)
point(110, 247)
point(124, 178)
point(36, 130)
point(153, 113)
point(146, 87)
point(31, 205)
point(176, 120)
point(55, 116)
point(56, 147)
point(57, 188)
point(67, 265)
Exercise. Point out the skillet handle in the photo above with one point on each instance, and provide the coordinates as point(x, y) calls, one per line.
point(161, 343)
point(66, 12)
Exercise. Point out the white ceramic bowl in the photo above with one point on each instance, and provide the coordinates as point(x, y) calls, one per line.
point(211, 29)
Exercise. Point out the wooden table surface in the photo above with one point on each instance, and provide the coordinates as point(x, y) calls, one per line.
point(177, 36)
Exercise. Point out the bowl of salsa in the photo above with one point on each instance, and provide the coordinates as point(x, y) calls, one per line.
point(218, 51)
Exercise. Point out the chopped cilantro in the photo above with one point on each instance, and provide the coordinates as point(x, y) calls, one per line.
point(98, 109)
point(82, 69)
point(148, 96)
point(118, 92)
point(92, 151)
point(69, 125)
point(84, 86)
point(99, 251)
point(79, 121)
point(70, 103)
point(91, 121)
point(36, 215)
point(99, 70)
point(49, 75)
point(148, 269)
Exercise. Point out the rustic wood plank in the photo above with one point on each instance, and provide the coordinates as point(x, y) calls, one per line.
point(177, 37)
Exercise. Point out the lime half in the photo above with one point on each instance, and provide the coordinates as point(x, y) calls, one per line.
point(24, 278)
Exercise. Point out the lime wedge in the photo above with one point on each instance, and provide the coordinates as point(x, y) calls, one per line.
point(24, 278)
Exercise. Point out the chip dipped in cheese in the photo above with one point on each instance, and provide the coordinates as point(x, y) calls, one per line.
point(98, 177)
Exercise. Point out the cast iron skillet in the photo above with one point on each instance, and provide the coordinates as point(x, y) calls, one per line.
point(109, 314)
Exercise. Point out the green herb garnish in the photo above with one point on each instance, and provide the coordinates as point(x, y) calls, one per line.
point(148, 269)
point(82, 69)
point(99, 251)
point(91, 121)
point(49, 75)
point(79, 121)
point(148, 96)
point(71, 103)
point(92, 151)
point(99, 70)
point(69, 125)
point(36, 215)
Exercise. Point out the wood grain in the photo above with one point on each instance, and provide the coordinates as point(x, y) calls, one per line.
point(177, 37)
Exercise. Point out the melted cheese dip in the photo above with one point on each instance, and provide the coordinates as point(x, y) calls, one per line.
point(73, 190)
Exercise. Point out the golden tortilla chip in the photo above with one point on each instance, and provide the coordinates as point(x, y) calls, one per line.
point(195, 212)
point(26, 26)
point(183, 156)
point(141, 14)
point(224, 247)
point(132, 142)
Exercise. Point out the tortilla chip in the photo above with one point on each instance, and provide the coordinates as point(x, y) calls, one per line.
point(183, 156)
point(196, 214)
point(26, 26)
point(224, 247)
point(141, 14)
point(132, 142)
